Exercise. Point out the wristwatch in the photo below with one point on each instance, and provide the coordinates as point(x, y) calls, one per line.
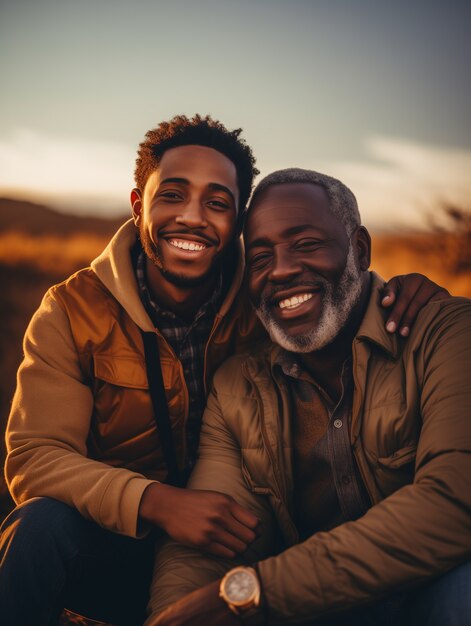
point(240, 590)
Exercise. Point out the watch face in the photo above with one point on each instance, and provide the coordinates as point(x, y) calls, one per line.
point(240, 587)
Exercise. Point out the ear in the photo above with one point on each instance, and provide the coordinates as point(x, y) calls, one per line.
point(136, 205)
point(362, 244)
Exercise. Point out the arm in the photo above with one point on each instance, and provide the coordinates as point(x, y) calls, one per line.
point(48, 428)
point(406, 295)
point(47, 453)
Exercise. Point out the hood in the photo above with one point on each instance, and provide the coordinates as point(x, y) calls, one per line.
point(115, 270)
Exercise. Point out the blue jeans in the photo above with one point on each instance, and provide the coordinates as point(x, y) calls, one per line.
point(444, 602)
point(447, 600)
point(51, 558)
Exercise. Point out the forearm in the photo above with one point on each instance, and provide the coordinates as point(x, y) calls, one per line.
point(417, 533)
point(109, 496)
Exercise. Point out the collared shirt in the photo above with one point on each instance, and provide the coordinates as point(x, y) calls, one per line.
point(328, 490)
point(188, 341)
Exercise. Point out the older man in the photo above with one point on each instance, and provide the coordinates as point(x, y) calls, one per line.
point(352, 446)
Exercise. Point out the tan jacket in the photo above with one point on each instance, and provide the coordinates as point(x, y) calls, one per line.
point(411, 438)
point(82, 429)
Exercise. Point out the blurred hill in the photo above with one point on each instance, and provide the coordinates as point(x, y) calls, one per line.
point(36, 219)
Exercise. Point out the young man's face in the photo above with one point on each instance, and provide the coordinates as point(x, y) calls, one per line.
point(303, 271)
point(188, 214)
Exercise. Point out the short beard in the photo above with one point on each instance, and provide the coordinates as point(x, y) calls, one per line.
point(338, 300)
point(152, 252)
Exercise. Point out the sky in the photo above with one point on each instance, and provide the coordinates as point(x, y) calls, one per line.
point(374, 92)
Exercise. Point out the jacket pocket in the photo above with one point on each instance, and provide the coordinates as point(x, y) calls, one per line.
point(253, 487)
point(130, 372)
point(395, 471)
point(123, 372)
point(399, 458)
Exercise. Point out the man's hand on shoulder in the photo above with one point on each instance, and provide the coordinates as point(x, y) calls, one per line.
point(407, 295)
point(207, 520)
point(199, 608)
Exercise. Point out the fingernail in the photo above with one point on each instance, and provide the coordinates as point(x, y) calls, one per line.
point(391, 327)
point(386, 299)
point(404, 331)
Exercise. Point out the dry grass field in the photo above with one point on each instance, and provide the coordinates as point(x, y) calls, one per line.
point(32, 261)
point(432, 254)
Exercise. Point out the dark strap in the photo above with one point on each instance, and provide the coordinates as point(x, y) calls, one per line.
point(160, 406)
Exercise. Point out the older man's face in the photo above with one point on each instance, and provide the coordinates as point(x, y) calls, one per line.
point(303, 272)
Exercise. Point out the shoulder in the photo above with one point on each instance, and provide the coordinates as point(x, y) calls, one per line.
point(82, 284)
point(454, 311)
point(84, 308)
point(62, 297)
point(83, 295)
point(442, 327)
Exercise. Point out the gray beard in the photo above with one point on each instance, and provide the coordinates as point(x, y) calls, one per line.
point(337, 303)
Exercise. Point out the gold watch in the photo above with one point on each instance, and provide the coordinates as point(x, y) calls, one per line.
point(240, 590)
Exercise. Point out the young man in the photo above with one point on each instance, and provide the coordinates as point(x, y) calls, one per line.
point(118, 360)
point(352, 446)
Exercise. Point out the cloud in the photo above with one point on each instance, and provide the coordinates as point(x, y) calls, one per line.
point(71, 172)
point(402, 181)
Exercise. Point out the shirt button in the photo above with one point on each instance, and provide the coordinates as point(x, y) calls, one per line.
point(338, 423)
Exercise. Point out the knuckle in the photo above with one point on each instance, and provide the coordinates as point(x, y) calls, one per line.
point(217, 514)
point(205, 541)
point(219, 504)
point(204, 537)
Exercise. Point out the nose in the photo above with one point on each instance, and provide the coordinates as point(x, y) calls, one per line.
point(284, 265)
point(192, 215)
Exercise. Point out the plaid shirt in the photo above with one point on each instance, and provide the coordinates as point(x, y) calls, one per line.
point(188, 342)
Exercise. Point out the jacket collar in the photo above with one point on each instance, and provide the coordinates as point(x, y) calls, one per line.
point(115, 270)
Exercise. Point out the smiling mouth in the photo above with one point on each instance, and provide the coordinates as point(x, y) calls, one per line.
point(294, 301)
point(184, 244)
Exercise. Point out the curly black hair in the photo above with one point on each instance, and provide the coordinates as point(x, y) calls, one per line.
point(199, 131)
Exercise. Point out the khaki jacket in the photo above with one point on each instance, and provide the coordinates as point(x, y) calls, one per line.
point(82, 428)
point(411, 438)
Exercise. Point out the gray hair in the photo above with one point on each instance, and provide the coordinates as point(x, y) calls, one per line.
point(342, 202)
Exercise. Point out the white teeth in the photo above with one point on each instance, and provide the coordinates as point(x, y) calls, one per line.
point(294, 301)
point(186, 245)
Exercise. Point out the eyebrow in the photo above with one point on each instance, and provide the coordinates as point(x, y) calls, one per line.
point(212, 186)
point(294, 230)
